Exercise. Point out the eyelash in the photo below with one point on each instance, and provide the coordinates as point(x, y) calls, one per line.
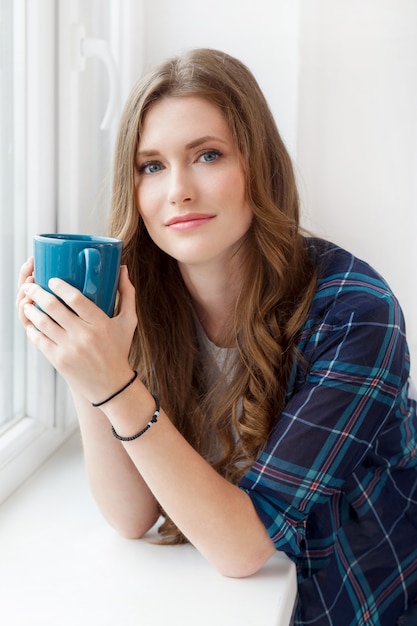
point(206, 152)
point(143, 167)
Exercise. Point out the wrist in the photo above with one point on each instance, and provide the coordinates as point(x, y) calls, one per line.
point(118, 392)
point(130, 411)
point(142, 431)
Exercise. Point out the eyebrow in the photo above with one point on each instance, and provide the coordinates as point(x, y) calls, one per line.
point(192, 144)
point(205, 139)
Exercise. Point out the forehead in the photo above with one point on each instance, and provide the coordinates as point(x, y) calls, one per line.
point(182, 117)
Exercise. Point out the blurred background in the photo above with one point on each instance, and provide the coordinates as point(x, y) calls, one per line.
point(341, 80)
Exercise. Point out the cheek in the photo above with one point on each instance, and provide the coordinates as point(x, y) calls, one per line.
point(137, 198)
point(228, 185)
point(234, 191)
point(241, 204)
point(146, 204)
point(147, 207)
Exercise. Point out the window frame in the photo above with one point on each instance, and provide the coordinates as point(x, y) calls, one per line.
point(49, 418)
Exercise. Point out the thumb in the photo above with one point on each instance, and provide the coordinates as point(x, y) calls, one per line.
point(127, 293)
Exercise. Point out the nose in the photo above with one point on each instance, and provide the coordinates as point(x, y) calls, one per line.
point(180, 187)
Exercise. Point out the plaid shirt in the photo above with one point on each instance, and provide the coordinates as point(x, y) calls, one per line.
point(336, 483)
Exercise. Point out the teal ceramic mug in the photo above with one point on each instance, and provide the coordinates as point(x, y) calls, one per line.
point(89, 263)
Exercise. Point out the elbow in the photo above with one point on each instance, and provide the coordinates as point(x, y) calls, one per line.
point(239, 571)
point(133, 529)
point(131, 533)
point(243, 567)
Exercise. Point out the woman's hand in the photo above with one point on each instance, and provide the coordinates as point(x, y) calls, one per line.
point(89, 349)
point(25, 277)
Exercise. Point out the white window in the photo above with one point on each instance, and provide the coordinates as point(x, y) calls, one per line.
point(60, 94)
point(12, 207)
point(30, 425)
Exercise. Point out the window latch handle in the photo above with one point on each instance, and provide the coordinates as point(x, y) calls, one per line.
point(91, 47)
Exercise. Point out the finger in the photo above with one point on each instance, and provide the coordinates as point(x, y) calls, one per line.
point(127, 293)
point(48, 303)
point(25, 276)
point(21, 294)
point(42, 323)
point(76, 301)
point(78, 306)
point(22, 299)
point(25, 271)
point(21, 311)
point(127, 300)
point(41, 341)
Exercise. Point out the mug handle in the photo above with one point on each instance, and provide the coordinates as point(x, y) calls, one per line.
point(92, 259)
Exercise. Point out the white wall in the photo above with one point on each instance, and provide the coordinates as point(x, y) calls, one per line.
point(263, 34)
point(341, 79)
point(357, 134)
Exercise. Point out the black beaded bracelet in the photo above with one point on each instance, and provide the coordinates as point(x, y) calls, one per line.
point(132, 380)
point(152, 421)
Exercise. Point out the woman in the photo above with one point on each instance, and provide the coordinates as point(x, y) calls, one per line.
point(279, 362)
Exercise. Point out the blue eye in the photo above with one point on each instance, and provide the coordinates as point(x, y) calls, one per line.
point(152, 167)
point(209, 156)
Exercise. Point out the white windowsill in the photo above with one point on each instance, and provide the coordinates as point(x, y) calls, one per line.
point(62, 565)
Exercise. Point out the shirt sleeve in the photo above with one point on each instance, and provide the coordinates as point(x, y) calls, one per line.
point(348, 379)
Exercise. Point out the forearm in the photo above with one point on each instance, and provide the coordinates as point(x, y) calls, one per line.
point(216, 516)
point(119, 490)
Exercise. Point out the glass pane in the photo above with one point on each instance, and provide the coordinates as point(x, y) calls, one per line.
point(12, 206)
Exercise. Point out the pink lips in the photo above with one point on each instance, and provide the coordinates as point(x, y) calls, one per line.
point(189, 221)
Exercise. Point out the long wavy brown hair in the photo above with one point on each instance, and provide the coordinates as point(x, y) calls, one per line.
point(229, 423)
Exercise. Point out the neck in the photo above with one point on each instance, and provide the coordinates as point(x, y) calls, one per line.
point(214, 293)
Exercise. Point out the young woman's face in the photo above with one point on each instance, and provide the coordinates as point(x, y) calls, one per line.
point(190, 182)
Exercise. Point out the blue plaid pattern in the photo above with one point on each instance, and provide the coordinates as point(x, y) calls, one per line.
point(336, 483)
